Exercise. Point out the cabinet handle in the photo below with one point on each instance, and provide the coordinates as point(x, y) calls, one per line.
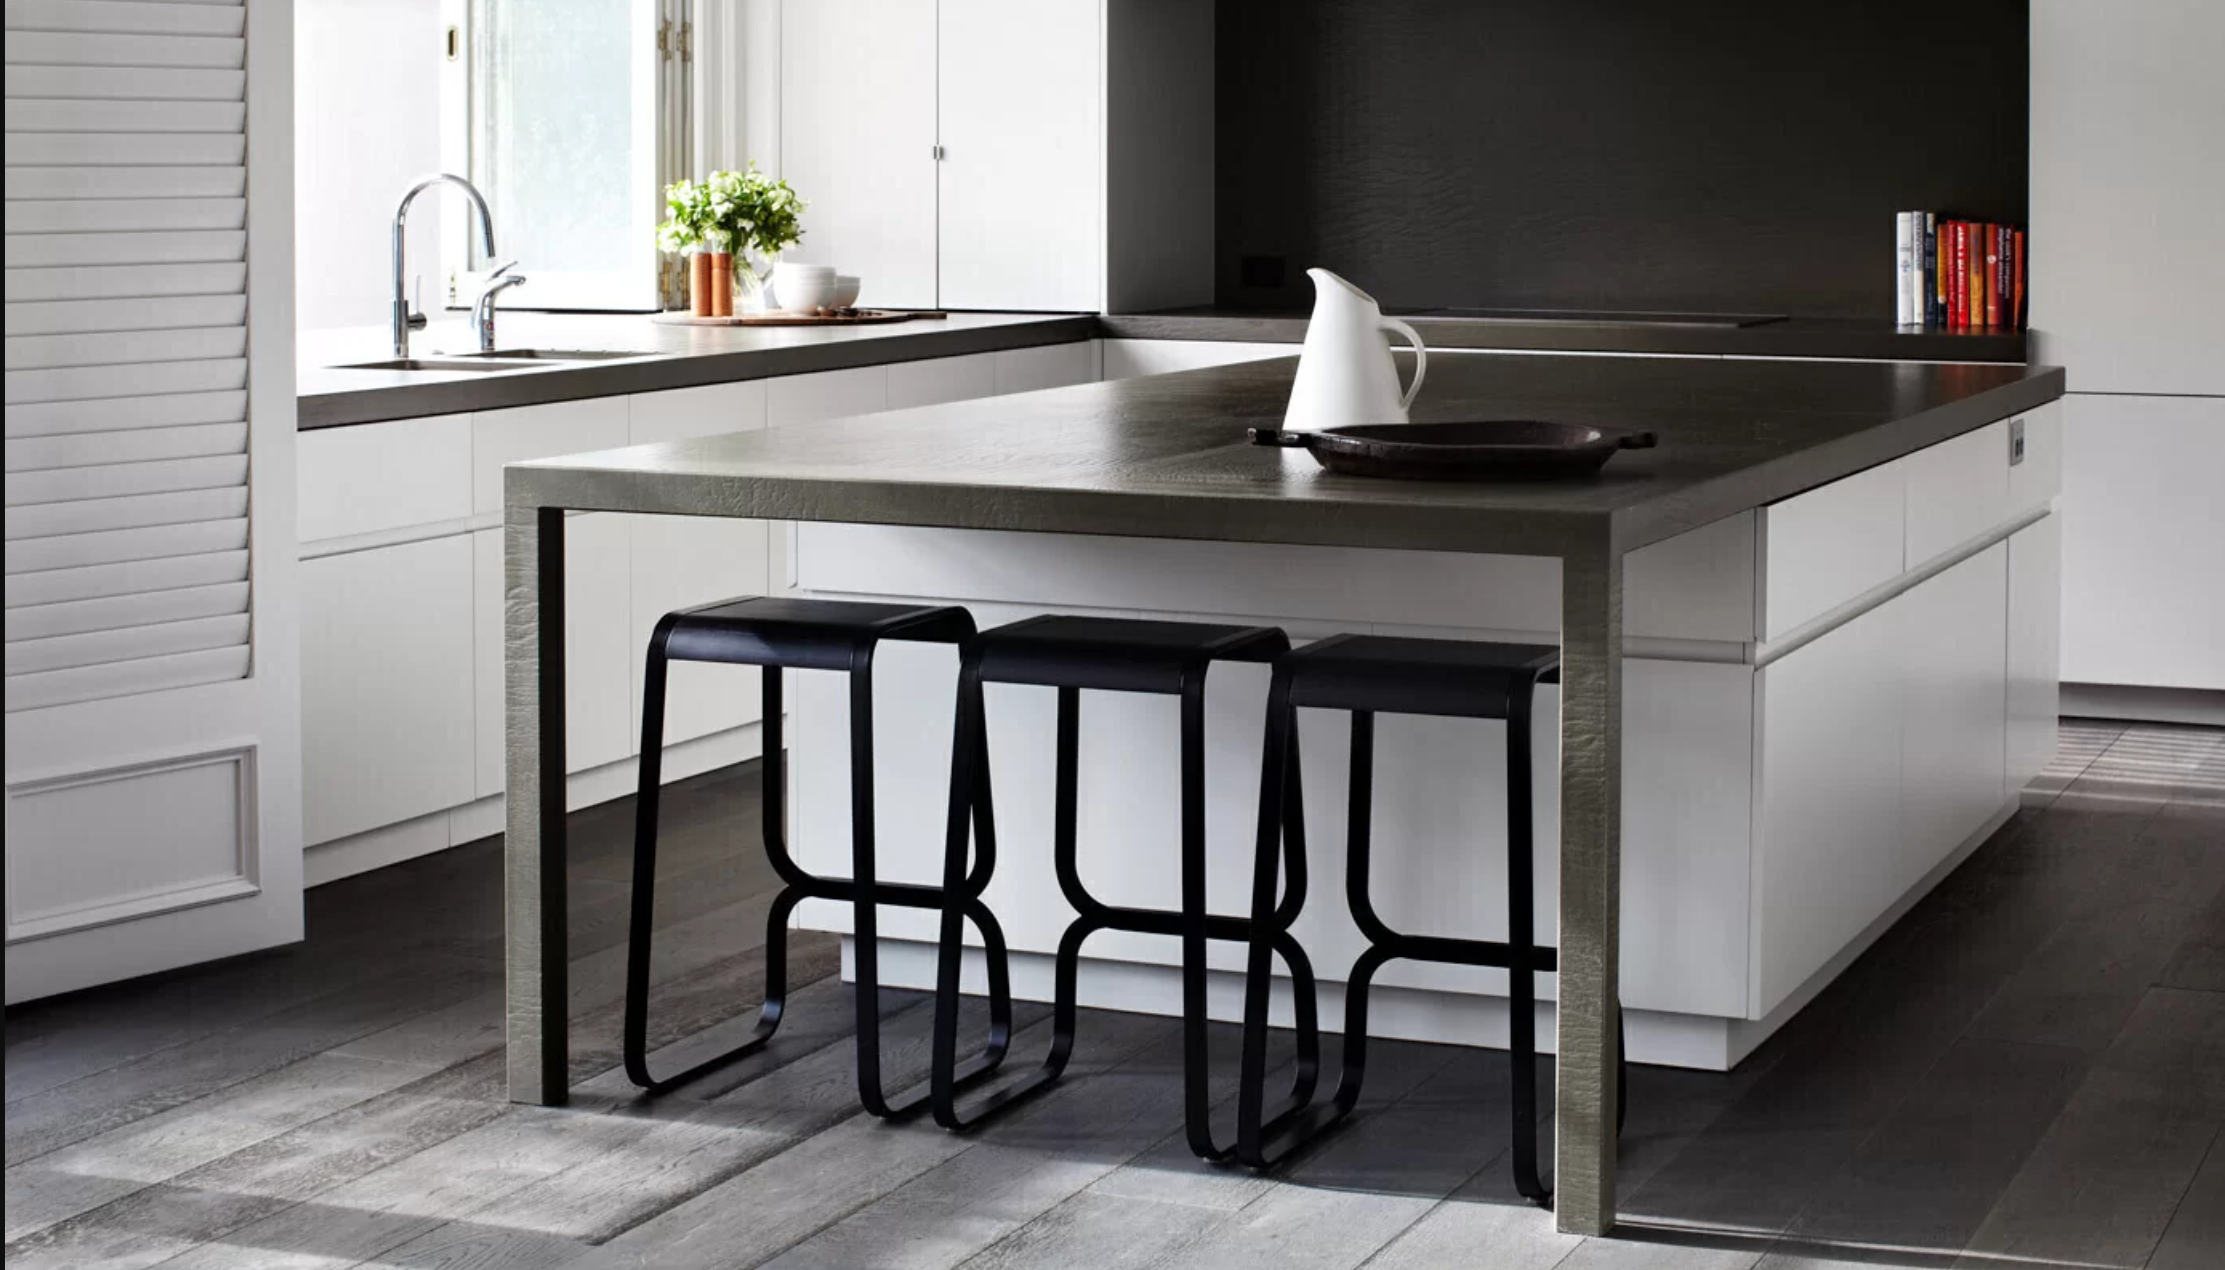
point(938, 151)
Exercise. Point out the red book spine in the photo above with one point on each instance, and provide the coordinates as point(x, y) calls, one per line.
point(1960, 281)
point(2018, 252)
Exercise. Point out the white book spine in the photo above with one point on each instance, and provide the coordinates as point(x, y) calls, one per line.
point(1904, 278)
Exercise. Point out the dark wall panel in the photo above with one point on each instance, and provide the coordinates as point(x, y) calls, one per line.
point(1720, 155)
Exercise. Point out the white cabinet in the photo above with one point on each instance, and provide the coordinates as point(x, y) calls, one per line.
point(2144, 541)
point(1824, 548)
point(1004, 154)
point(936, 380)
point(2035, 649)
point(1020, 188)
point(366, 479)
point(386, 685)
point(1953, 643)
point(857, 139)
point(1828, 797)
point(1047, 366)
point(827, 395)
point(2126, 181)
point(599, 723)
point(1128, 359)
point(538, 432)
point(678, 561)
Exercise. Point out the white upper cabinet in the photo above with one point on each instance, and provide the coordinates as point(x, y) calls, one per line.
point(857, 139)
point(1022, 178)
point(2128, 177)
point(1052, 155)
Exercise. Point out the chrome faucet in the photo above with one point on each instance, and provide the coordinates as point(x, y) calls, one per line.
point(482, 313)
point(406, 320)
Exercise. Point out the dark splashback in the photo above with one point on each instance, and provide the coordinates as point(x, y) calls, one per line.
point(1742, 155)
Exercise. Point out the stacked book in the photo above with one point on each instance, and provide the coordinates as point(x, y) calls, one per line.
point(1958, 275)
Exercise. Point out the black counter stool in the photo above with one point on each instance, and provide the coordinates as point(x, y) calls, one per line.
point(1111, 655)
point(781, 633)
point(1365, 674)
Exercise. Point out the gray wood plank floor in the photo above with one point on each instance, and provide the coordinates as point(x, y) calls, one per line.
point(2029, 1069)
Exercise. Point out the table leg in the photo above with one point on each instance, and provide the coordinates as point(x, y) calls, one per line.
point(535, 955)
point(1591, 886)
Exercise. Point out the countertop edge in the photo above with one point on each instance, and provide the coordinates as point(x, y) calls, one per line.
point(1788, 338)
point(580, 381)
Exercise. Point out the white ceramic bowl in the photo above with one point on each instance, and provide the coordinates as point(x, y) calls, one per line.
point(806, 293)
point(801, 288)
point(845, 290)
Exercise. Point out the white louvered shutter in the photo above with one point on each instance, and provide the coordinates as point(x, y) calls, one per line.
point(127, 423)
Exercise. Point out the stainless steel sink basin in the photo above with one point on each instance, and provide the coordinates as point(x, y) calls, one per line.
point(556, 354)
point(437, 363)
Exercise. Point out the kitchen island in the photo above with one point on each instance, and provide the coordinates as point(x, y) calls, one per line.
point(1793, 510)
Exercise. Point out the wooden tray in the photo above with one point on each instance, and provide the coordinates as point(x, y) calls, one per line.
point(863, 317)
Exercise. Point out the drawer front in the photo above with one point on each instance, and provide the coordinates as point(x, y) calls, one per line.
point(1827, 546)
point(1957, 491)
point(539, 432)
point(378, 476)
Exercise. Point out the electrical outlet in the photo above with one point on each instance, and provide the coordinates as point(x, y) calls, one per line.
point(2016, 442)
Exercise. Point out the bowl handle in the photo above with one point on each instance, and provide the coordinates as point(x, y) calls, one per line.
point(1281, 437)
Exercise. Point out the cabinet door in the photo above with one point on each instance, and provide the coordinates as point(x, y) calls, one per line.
point(935, 380)
point(857, 139)
point(2125, 190)
point(1051, 366)
point(1021, 183)
point(386, 671)
point(2143, 541)
point(2035, 648)
point(1953, 658)
point(600, 725)
point(683, 560)
point(1828, 834)
point(378, 476)
point(1128, 359)
point(829, 394)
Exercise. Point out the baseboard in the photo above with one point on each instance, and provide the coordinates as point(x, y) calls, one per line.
point(1407, 1014)
point(409, 839)
point(1656, 1037)
point(2205, 706)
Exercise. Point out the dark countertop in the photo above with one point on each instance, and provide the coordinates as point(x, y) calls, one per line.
point(671, 357)
point(1785, 337)
point(1165, 456)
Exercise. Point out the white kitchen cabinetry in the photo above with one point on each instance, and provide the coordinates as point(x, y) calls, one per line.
point(2144, 541)
point(2126, 181)
point(1021, 187)
point(857, 138)
point(1952, 645)
point(402, 644)
point(1004, 154)
point(386, 700)
point(1127, 359)
point(2035, 649)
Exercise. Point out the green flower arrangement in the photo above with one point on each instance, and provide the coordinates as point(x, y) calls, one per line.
point(740, 212)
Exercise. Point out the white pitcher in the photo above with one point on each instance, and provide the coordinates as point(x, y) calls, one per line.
point(1345, 373)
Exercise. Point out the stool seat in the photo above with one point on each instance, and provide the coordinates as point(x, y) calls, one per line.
point(1403, 675)
point(1117, 654)
point(803, 634)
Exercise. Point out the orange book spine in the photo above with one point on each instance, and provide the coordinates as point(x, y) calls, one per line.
point(1976, 267)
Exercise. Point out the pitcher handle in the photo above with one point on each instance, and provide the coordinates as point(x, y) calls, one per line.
point(1421, 358)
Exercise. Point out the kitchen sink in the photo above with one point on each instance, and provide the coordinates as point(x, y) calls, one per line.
point(459, 362)
point(557, 354)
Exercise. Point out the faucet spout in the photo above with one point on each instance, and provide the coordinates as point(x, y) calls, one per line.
point(405, 320)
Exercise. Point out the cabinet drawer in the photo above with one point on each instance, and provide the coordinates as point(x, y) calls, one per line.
point(539, 432)
point(1825, 547)
point(375, 476)
point(1957, 490)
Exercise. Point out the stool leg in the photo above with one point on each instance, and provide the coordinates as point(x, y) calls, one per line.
point(1522, 953)
point(639, 930)
point(1281, 841)
point(971, 807)
point(1197, 1099)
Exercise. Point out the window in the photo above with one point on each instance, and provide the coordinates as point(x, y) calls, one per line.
point(563, 125)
